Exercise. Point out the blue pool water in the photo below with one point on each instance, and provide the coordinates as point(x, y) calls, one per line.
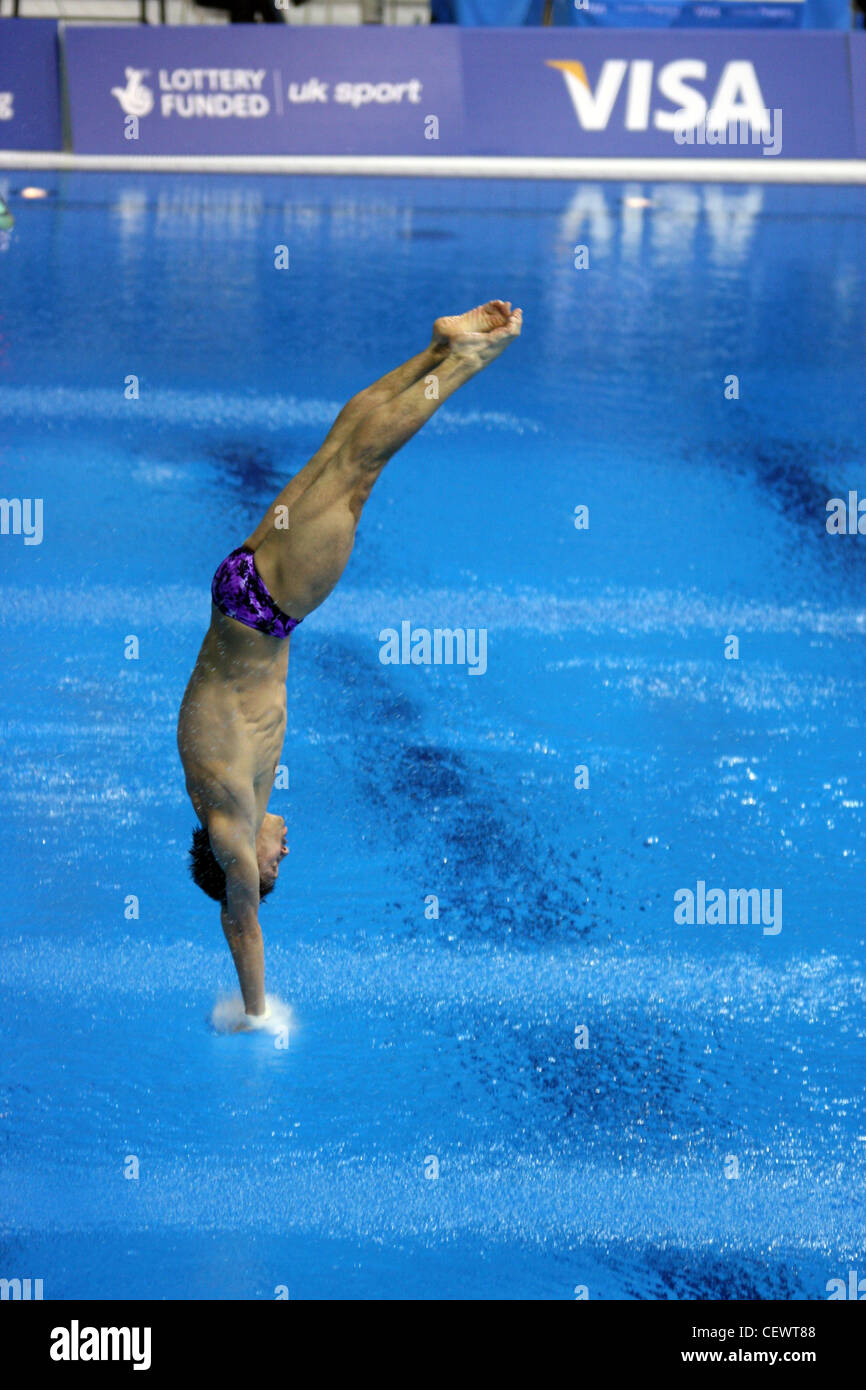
point(711, 1049)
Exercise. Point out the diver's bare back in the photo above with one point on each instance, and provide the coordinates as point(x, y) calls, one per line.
point(233, 715)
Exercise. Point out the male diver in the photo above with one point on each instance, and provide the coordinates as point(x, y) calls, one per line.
point(233, 715)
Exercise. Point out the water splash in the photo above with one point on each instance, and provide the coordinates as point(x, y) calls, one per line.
point(229, 1016)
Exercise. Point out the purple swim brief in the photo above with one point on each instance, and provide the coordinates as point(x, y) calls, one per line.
point(239, 591)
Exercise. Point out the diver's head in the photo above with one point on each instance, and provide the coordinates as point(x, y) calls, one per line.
point(207, 872)
point(271, 849)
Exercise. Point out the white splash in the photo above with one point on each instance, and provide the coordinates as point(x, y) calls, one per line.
point(229, 1017)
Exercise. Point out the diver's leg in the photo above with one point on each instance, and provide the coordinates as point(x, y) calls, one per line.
point(371, 398)
point(301, 563)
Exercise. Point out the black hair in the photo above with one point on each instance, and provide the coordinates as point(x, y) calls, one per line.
point(206, 870)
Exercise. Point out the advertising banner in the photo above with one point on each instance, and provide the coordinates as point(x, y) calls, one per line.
point(262, 89)
point(858, 92)
point(422, 92)
point(29, 85)
point(658, 94)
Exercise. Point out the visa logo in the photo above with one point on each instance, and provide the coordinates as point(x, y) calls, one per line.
point(737, 97)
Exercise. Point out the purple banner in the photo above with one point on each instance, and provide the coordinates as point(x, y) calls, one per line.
point(658, 94)
point(858, 91)
point(253, 89)
point(29, 85)
point(420, 91)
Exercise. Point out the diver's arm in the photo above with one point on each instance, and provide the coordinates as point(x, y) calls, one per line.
point(233, 843)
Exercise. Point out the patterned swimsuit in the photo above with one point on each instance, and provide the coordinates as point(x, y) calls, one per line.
point(239, 591)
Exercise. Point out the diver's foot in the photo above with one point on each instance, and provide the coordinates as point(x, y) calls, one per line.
point(481, 319)
point(251, 1023)
point(484, 344)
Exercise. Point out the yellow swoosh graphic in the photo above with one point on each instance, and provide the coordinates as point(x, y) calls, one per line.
point(569, 65)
